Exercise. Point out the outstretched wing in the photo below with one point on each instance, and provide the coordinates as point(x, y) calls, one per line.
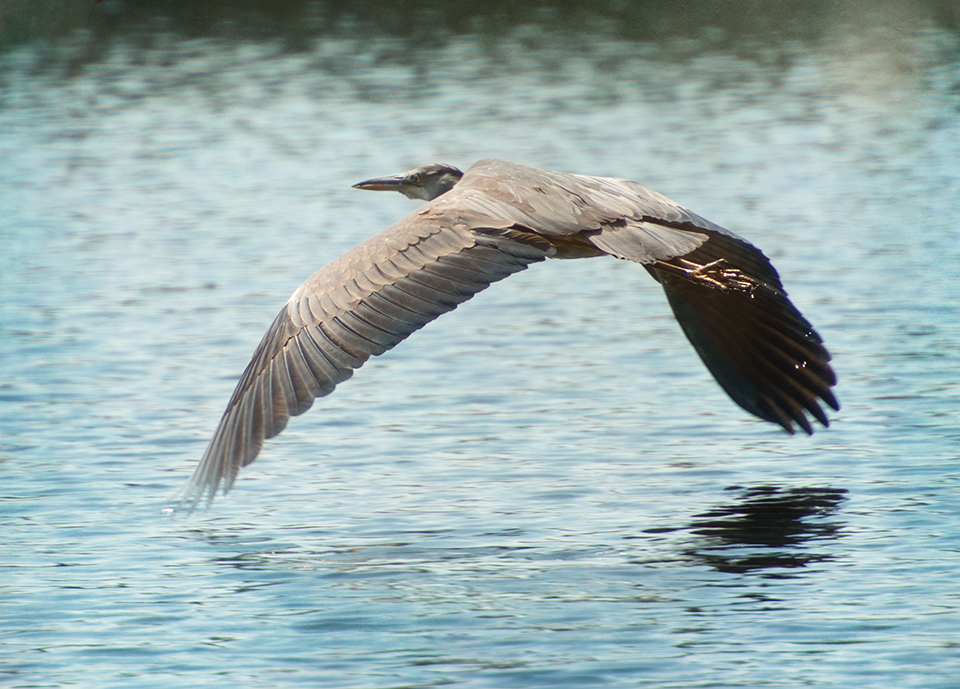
point(731, 305)
point(726, 295)
point(359, 306)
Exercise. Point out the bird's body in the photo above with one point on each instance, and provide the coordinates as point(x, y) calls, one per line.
point(496, 220)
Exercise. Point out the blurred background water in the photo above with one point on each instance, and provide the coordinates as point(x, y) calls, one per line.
point(543, 488)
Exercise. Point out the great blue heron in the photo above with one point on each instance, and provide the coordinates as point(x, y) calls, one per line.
point(494, 220)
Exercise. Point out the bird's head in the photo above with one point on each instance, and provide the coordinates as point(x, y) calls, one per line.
point(426, 182)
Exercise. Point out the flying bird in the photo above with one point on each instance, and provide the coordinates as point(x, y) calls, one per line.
point(494, 220)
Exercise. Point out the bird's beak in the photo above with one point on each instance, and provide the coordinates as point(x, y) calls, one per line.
point(391, 183)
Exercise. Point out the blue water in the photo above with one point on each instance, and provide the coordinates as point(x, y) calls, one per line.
point(541, 489)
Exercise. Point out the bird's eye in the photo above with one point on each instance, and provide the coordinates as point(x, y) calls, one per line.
point(416, 179)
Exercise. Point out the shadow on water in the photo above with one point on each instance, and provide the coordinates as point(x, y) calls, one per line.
point(766, 528)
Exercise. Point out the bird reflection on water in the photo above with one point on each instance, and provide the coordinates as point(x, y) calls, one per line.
point(766, 528)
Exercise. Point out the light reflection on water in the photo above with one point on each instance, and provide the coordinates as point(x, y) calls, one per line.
point(537, 489)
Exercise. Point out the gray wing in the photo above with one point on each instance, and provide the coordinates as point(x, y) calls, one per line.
point(618, 217)
point(359, 306)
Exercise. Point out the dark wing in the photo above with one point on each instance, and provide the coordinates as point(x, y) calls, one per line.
point(359, 306)
point(725, 293)
point(732, 307)
point(730, 303)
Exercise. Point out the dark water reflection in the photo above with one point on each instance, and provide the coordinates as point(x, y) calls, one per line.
point(768, 527)
point(295, 24)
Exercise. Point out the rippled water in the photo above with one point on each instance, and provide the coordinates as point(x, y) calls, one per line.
point(543, 488)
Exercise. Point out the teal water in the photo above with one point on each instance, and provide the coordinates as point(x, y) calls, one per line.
point(541, 489)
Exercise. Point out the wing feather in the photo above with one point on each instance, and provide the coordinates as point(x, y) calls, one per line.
point(421, 290)
point(424, 310)
point(339, 332)
point(381, 337)
point(361, 305)
point(369, 281)
point(326, 373)
point(391, 309)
